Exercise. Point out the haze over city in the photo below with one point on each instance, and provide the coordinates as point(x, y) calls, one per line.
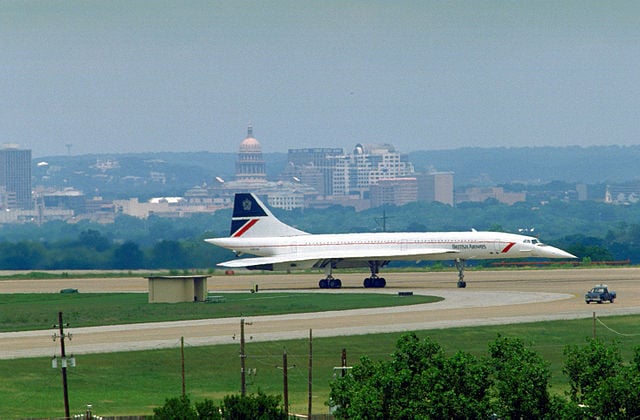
point(134, 76)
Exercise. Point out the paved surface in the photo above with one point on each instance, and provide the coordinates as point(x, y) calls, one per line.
point(491, 297)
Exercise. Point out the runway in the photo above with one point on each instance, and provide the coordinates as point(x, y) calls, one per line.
point(491, 298)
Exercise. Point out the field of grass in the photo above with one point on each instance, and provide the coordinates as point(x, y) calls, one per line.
point(135, 382)
point(20, 312)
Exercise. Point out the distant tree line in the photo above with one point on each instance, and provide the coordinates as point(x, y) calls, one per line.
point(592, 231)
point(92, 250)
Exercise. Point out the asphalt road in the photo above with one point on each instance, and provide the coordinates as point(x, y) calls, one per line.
point(491, 297)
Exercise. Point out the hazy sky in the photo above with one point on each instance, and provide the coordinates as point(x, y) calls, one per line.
point(130, 76)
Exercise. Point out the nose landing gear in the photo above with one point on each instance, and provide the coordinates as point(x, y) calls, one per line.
point(460, 266)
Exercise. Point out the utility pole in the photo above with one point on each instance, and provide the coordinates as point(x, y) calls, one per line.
point(243, 356)
point(285, 382)
point(182, 358)
point(383, 219)
point(310, 370)
point(243, 381)
point(344, 362)
point(343, 368)
point(63, 359)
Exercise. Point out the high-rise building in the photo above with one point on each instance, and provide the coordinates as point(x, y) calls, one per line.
point(335, 173)
point(395, 192)
point(314, 167)
point(436, 186)
point(15, 175)
point(366, 166)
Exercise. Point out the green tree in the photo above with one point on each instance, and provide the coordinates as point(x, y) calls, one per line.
point(24, 255)
point(599, 379)
point(94, 239)
point(175, 409)
point(208, 410)
point(587, 366)
point(617, 397)
point(463, 390)
point(521, 379)
point(253, 407)
point(418, 382)
point(168, 254)
point(128, 256)
point(360, 394)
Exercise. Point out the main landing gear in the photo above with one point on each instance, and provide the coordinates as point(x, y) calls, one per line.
point(374, 280)
point(460, 266)
point(330, 283)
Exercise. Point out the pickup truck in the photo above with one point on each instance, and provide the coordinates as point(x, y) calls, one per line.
point(599, 294)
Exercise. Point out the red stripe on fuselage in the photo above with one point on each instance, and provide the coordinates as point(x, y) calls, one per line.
point(508, 247)
point(245, 228)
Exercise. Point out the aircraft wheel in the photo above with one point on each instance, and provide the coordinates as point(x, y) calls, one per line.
point(382, 282)
point(335, 283)
point(367, 282)
point(324, 283)
point(462, 284)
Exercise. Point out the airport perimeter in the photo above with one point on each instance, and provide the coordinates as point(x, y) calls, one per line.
point(491, 298)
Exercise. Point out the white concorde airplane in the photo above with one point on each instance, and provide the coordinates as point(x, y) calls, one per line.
point(254, 230)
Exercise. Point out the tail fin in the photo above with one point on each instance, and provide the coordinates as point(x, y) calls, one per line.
point(252, 219)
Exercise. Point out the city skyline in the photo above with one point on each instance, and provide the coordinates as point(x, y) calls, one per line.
point(133, 76)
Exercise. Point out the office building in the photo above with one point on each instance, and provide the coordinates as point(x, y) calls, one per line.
point(333, 173)
point(436, 186)
point(313, 167)
point(394, 192)
point(15, 175)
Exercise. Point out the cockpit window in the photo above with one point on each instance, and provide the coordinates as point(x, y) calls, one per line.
point(535, 241)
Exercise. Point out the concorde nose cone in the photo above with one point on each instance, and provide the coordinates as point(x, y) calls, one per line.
point(546, 251)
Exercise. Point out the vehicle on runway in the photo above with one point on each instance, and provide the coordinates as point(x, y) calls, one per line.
point(280, 247)
point(600, 293)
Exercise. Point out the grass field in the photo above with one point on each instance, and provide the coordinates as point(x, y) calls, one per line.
point(135, 382)
point(20, 312)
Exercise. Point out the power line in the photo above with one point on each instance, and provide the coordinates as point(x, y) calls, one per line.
point(614, 331)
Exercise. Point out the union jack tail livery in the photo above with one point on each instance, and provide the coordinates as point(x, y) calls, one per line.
point(252, 219)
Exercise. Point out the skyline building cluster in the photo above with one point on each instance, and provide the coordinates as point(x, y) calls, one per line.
point(369, 175)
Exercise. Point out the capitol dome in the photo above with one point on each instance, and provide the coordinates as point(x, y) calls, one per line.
point(250, 164)
point(250, 145)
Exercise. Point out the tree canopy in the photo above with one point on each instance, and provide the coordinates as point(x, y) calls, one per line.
point(511, 381)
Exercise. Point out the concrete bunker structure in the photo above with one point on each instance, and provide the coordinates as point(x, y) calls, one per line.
point(174, 289)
